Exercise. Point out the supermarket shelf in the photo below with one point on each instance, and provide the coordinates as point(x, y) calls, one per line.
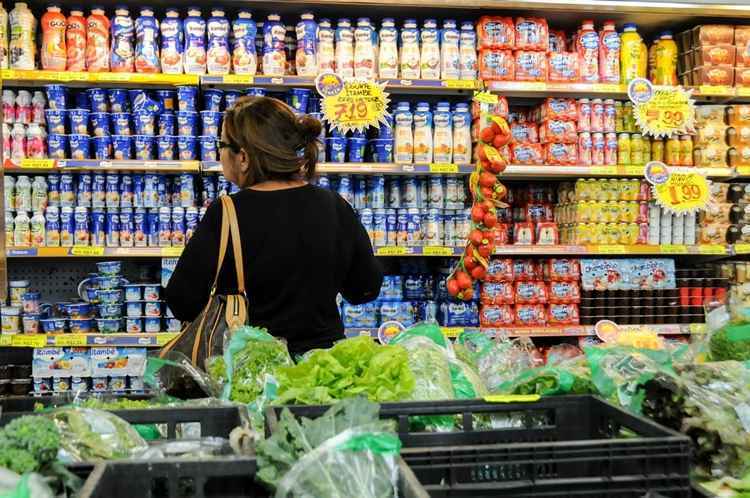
point(549, 171)
point(14, 77)
point(395, 85)
point(549, 331)
point(93, 252)
point(373, 168)
point(86, 340)
point(46, 165)
point(613, 249)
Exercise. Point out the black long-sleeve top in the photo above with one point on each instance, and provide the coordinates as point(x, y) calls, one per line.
point(301, 247)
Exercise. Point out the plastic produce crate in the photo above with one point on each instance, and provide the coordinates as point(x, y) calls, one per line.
point(559, 446)
point(27, 403)
point(216, 478)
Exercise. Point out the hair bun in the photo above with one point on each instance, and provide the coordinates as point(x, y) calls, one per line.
point(309, 128)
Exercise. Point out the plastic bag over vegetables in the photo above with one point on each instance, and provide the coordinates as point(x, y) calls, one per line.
point(88, 435)
point(571, 376)
point(30, 485)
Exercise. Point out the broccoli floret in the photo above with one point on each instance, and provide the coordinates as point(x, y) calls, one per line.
point(722, 348)
point(36, 434)
point(18, 460)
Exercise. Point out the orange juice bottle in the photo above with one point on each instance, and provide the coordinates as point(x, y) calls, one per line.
point(666, 60)
point(75, 38)
point(643, 60)
point(652, 60)
point(53, 52)
point(630, 52)
point(97, 41)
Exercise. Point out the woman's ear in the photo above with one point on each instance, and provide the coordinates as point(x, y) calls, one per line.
point(244, 161)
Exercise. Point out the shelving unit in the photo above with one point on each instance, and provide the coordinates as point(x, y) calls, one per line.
point(143, 340)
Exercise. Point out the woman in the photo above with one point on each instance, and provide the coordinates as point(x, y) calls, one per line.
point(302, 245)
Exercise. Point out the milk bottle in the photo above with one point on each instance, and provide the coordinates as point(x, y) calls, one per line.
point(53, 52)
point(146, 44)
point(423, 133)
point(430, 54)
point(21, 230)
point(326, 47)
point(306, 57)
point(461, 134)
point(364, 62)
point(450, 57)
point(22, 46)
point(388, 50)
point(172, 43)
point(122, 52)
point(344, 48)
point(468, 51)
point(404, 137)
point(218, 59)
point(194, 56)
point(244, 57)
point(410, 56)
point(36, 230)
point(274, 47)
point(443, 133)
point(23, 193)
point(39, 197)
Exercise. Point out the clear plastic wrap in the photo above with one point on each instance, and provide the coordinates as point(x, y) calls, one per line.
point(501, 361)
point(571, 376)
point(88, 435)
point(30, 485)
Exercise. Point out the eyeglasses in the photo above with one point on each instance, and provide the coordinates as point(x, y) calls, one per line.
point(221, 145)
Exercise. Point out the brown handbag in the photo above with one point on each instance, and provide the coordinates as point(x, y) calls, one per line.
point(204, 336)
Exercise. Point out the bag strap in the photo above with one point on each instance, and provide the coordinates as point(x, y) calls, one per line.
point(230, 213)
point(223, 243)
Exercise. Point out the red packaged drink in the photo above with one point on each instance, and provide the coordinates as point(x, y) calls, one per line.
point(496, 32)
point(584, 148)
point(75, 37)
point(532, 33)
point(531, 154)
point(523, 233)
point(527, 269)
point(563, 269)
point(97, 41)
point(597, 115)
point(531, 292)
point(493, 316)
point(557, 42)
point(587, 46)
point(559, 108)
point(497, 293)
point(597, 148)
point(524, 133)
point(584, 115)
point(610, 121)
point(547, 233)
point(564, 292)
point(539, 211)
point(609, 53)
point(530, 65)
point(562, 154)
point(500, 234)
point(531, 315)
point(496, 65)
point(563, 314)
point(500, 270)
point(498, 109)
point(563, 67)
point(554, 130)
point(610, 149)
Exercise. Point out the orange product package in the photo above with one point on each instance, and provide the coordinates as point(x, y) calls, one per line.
point(555, 130)
point(714, 55)
point(531, 314)
point(97, 41)
point(500, 270)
point(493, 315)
point(563, 109)
point(564, 67)
point(742, 56)
point(531, 154)
point(496, 293)
point(496, 32)
point(563, 314)
point(498, 109)
point(741, 35)
point(531, 292)
point(564, 292)
point(739, 156)
point(532, 33)
point(742, 76)
point(547, 233)
point(524, 133)
point(557, 41)
point(530, 65)
point(496, 65)
point(739, 114)
point(713, 34)
point(500, 234)
point(563, 269)
point(561, 154)
point(714, 75)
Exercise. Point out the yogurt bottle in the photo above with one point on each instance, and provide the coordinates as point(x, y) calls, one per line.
point(22, 45)
point(194, 56)
point(410, 54)
point(9, 192)
point(430, 53)
point(3, 38)
point(38, 103)
point(450, 52)
point(7, 140)
point(274, 51)
point(146, 44)
point(403, 134)
point(18, 142)
point(587, 46)
point(218, 58)
point(35, 142)
point(461, 134)
point(97, 41)
point(423, 133)
point(52, 227)
point(21, 230)
point(443, 133)
point(122, 53)
point(53, 52)
point(37, 230)
point(609, 54)
point(244, 57)
point(39, 194)
point(326, 46)
point(306, 57)
point(75, 41)
point(467, 48)
point(172, 43)
point(388, 50)
point(344, 48)
point(23, 194)
point(290, 50)
point(364, 61)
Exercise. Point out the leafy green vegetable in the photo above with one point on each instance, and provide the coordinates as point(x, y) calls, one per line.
point(352, 367)
point(568, 377)
point(28, 443)
point(731, 342)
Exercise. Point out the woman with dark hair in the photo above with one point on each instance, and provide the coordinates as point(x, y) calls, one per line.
point(302, 245)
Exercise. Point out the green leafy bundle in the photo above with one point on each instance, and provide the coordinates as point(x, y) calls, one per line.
point(568, 377)
point(731, 342)
point(28, 443)
point(352, 367)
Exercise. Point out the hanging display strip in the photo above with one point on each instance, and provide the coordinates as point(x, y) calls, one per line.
point(15, 77)
point(94, 252)
point(86, 340)
point(230, 80)
point(72, 165)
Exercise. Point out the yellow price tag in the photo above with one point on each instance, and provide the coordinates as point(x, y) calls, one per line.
point(351, 104)
point(697, 328)
point(443, 168)
point(683, 192)
point(610, 249)
point(113, 77)
point(237, 79)
point(633, 170)
point(670, 110)
point(392, 251)
point(164, 337)
point(29, 341)
point(70, 340)
point(452, 331)
point(437, 251)
point(743, 91)
point(711, 249)
point(533, 86)
point(709, 90)
point(5, 340)
point(37, 163)
point(742, 248)
point(512, 398)
point(87, 251)
point(465, 84)
point(603, 170)
point(608, 88)
point(673, 249)
point(485, 97)
point(171, 252)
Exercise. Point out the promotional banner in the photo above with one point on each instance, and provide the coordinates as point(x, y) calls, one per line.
point(352, 103)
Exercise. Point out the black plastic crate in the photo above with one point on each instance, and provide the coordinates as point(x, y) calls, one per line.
point(14, 404)
point(215, 478)
point(579, 445)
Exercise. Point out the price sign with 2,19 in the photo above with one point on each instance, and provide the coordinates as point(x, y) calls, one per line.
point(352, 103)
point(683, 192)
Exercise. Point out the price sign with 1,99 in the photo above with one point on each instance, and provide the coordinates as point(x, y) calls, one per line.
point(678, 190)
point(352, 103)
point(661, 111)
